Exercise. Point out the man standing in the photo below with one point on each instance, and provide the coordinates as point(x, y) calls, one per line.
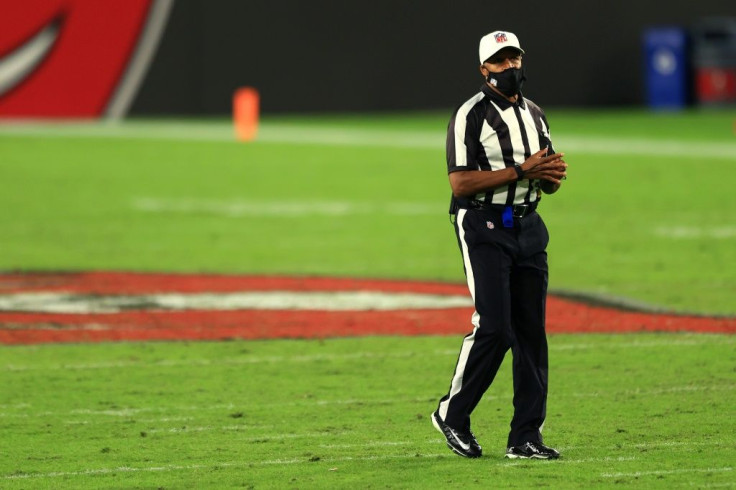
point(499, 157)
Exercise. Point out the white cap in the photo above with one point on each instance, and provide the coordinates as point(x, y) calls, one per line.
point(494, 42)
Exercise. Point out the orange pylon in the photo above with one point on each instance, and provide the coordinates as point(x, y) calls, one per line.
point(246, 108)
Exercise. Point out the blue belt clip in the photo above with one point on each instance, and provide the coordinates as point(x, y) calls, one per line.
point(508, 217)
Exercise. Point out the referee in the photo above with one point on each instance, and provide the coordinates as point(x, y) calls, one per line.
point(499, 158)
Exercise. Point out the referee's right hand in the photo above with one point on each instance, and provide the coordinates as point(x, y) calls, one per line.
point(551, 168)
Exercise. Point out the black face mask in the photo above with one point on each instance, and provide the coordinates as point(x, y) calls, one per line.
point(509, 81)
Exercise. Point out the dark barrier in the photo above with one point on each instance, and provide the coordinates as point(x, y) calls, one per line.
point(388, 55)
point(320, 55)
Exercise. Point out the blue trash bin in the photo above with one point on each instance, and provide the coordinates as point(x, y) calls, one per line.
point(666, 56)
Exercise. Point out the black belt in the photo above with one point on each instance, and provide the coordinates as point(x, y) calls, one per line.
point(518, 210)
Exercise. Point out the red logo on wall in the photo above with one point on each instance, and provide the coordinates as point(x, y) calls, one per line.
point(715, 84)
point(75, 58)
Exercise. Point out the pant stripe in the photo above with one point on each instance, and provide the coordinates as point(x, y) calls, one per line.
point(457, 379)
point(466, 256)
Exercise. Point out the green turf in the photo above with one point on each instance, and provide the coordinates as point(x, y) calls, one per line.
point(646, 213)
point(652, 411)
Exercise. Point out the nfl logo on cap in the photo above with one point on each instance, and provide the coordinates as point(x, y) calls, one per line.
point(495, 41)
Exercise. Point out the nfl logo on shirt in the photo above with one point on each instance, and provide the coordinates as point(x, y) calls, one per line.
point(500, 37)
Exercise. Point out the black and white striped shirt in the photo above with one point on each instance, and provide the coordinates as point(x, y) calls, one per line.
point(488, 132)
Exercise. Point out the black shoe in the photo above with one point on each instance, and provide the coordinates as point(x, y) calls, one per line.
point(462, 443)
point(532, 450)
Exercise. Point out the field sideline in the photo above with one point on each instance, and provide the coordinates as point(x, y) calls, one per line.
point(333, 133)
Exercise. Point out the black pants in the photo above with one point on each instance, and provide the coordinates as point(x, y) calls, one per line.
point(506, 269)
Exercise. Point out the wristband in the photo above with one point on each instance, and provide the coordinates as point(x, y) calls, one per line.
point(519, 172)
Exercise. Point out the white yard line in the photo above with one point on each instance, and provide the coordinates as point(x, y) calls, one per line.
point(563, 460)
point(681, 232)
point(673, 445)
point(272, 462)
point(127, 412)
point(236, 208)
point(226, 428)
point(131, 412)
point(655, 392)
point(637, 474)
point(264, 209)
point(285, 133)
point(374, 444)
point(246, 360)
point(157, 420)
point(71, 303)
point(304, 460)
point(698, 340)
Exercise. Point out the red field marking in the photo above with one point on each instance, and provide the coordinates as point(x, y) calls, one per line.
point(563, 316)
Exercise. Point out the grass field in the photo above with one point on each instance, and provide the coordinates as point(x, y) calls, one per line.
point(654, 411)
point(646, 214)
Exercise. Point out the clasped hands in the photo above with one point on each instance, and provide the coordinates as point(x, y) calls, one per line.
point(550, 169)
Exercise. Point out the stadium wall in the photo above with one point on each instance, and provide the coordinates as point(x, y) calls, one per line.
point(187, 57)
point(390, 55)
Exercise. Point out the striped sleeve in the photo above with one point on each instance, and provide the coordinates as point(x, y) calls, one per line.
point(540, 121)
point(463, 136)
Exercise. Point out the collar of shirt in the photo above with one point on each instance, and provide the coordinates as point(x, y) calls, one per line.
point(499, 99)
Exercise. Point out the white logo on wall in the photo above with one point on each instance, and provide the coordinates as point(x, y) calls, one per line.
point(665, 62)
